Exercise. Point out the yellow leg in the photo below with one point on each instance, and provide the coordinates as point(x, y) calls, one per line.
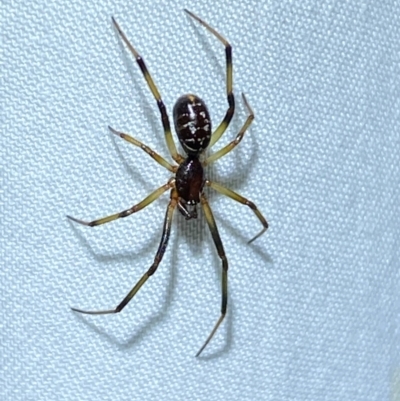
point(149, 151)
point(141, 205)
point(229, 81)
point(221, 253)
point(159, 255)
point(226, 149)
point(238, 198)
point(164, 116)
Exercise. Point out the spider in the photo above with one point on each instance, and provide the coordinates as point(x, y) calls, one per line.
point(193, 127)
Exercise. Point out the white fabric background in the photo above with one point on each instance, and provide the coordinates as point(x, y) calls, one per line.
point(314, 307)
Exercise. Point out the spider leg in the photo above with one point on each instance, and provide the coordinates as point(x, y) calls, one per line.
point(229, 81)
point(160, 160)
point(163, 111)
point(221, 253)
point(226, 149)
point(238, 198)
point(159, 255)
point(141, 205)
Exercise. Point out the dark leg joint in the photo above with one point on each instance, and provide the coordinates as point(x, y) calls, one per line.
point(224, 307)
point(161, 106)
point(164, 115)
point(228, 52)
point(251, 205)
point(231, 101)
point(153, 268)
point(141, 64)
point(126, 213)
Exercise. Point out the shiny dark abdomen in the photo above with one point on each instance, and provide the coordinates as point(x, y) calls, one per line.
point(192, 124)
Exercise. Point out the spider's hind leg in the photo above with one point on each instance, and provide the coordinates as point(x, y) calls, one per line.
point(154, 155)
point(221, 253)
point(157, 259)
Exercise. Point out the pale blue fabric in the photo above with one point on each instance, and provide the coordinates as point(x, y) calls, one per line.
point(314, 304)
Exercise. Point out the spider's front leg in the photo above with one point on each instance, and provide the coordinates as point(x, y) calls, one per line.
point(153, 88)
point(226, 149)
point(229, 80)
point(154, 155)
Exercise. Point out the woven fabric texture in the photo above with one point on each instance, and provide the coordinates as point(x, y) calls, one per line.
point(314, 304)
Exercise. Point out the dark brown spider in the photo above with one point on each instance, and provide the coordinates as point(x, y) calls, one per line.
point(193, 127)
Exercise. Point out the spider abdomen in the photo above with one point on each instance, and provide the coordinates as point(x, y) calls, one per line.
point(189, 180)
point(192, 124)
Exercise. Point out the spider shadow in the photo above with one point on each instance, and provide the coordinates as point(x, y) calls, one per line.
point(159, 316)
point(136, 173)
point(204, 40)
point(255, 246)
point(227, 324)
point(259, 249)
point(151, 322)
point(106, 257)
point(196, 242)
point(236, 157)
point(228, 329)
point(228, 321)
